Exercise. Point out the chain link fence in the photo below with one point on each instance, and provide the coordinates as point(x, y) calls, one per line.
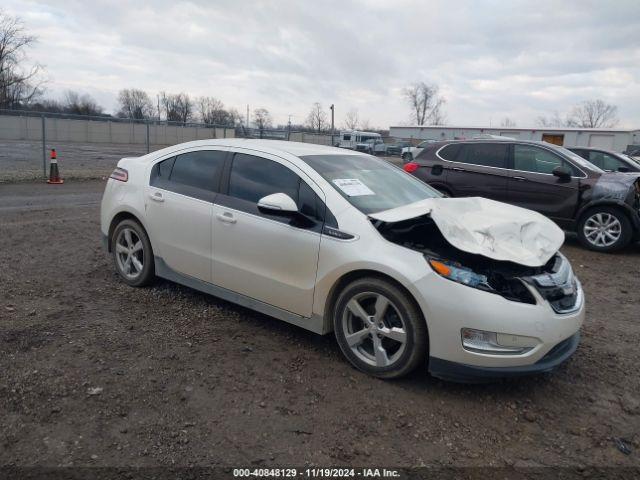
point(87, 147)
point(90, 147)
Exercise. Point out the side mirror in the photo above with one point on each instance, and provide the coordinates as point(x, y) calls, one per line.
point(563, 173)
point(278, 203)
point(624, 169)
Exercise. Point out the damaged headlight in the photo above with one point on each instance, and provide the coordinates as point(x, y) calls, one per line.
point(458, 273)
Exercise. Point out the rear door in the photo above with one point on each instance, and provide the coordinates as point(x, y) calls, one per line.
point(532, 184)
point(268, 257)
point(476, 169)
point(179, 206)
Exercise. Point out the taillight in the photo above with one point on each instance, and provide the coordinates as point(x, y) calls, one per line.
point(411, 167)
point(120, 174)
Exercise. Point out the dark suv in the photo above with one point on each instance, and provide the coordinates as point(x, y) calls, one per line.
point(602, 208)
point(607, 160)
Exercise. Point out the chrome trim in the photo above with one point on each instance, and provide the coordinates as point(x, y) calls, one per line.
point(508, 169)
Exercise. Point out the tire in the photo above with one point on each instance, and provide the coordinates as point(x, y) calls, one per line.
point(399, 336)
point(132, 254)
point(604, 229)
point(407, 157)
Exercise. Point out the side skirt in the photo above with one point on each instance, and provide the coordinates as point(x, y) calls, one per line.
point(315, 324)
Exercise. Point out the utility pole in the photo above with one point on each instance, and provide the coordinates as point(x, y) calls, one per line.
point(247, 115)
point(289, 128)
point(158, 96)
point(332, 111)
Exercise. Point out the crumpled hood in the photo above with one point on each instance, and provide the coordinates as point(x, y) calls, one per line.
point(486, 227)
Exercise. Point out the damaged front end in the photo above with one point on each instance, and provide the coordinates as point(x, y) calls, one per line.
point(552, 282)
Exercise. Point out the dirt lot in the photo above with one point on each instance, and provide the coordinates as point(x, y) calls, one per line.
point(97, 373)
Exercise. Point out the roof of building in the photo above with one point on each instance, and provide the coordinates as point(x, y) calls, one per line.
point(516, 129)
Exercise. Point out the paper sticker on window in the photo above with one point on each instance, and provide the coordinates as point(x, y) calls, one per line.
point(353, 187)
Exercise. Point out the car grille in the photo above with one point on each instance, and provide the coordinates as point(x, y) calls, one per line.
point(559, 287)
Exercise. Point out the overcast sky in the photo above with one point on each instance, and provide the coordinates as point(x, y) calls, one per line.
point(491, 59)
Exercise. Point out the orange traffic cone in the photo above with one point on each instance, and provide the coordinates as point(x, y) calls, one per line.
point(54, 174)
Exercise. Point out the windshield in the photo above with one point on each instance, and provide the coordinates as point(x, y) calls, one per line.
point(634, 160)
point(368, 183)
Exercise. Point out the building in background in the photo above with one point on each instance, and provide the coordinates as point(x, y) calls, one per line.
point(606, 138)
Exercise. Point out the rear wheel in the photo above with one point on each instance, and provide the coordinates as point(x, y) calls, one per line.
point(407, 157)
point(379, 328)
point(132, 254)
point(605, 229)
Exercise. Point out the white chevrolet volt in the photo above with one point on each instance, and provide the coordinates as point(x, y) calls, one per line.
point(335, 240)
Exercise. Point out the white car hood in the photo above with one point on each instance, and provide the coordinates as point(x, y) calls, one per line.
point(486, 227)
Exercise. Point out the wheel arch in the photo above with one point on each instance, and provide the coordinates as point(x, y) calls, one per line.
point(353, 275)
point(119, 217)
point(622, 206)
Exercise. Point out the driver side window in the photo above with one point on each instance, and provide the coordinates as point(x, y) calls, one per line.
point(254, 177)
point(528, 158)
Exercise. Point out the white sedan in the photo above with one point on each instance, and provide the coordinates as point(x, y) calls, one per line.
point(335, 240)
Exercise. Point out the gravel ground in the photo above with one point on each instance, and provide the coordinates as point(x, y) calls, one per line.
point(95, 373)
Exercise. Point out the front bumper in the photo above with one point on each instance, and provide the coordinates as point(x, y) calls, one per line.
point(449, 307)
point(461, 373)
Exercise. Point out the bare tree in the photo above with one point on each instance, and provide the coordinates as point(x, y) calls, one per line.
point(365, 125)
point(317, 118)
point(18, 86)
point(593, 114)
point(351, 120)
point(211, 110)
point(507, 122)
point(553, 121)
point(426, 105)
point(134, 104)
point(177, 107)
point(80, 104)
point(262, 118)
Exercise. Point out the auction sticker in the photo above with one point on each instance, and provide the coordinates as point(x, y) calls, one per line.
point(353, 187)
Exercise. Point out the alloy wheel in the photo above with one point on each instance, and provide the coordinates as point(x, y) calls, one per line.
point(129, 253)
point(602, 229)
point(374, 329)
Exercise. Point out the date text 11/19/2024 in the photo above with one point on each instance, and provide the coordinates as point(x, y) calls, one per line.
point(315, 473)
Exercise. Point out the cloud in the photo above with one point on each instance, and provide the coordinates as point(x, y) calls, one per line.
point(491, 59)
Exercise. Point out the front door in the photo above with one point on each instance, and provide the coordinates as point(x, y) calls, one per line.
point(267, 257)
point(532, 184)
point(478, 170)
point(179, 209)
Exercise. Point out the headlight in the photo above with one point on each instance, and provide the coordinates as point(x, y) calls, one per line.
point(458, 273)
point(480, 341)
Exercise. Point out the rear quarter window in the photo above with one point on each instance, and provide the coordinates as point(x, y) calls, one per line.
point(450, 152)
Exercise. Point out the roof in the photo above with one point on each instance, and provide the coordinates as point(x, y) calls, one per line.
point(275, 147)
point(520, 129)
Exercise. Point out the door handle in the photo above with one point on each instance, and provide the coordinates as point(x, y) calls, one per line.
point(520, 179)
point(458, 169)
point(156, 197)
point(226, 217)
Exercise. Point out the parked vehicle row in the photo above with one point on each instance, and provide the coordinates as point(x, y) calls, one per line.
point(603, 208)
point(607, 160)
point(335, 240)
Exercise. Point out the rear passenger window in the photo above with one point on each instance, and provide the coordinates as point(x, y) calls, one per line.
point(200, 169)
point(164, 168)
point(484, 154)
point(253, 178)
point(450, 152)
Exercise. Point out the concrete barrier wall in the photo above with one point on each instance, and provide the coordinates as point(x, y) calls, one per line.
point(103, 131)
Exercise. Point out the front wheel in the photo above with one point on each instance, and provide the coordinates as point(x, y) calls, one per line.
point(407, 157)
point(604, 229)
point(379, 328)
point(132, 254)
